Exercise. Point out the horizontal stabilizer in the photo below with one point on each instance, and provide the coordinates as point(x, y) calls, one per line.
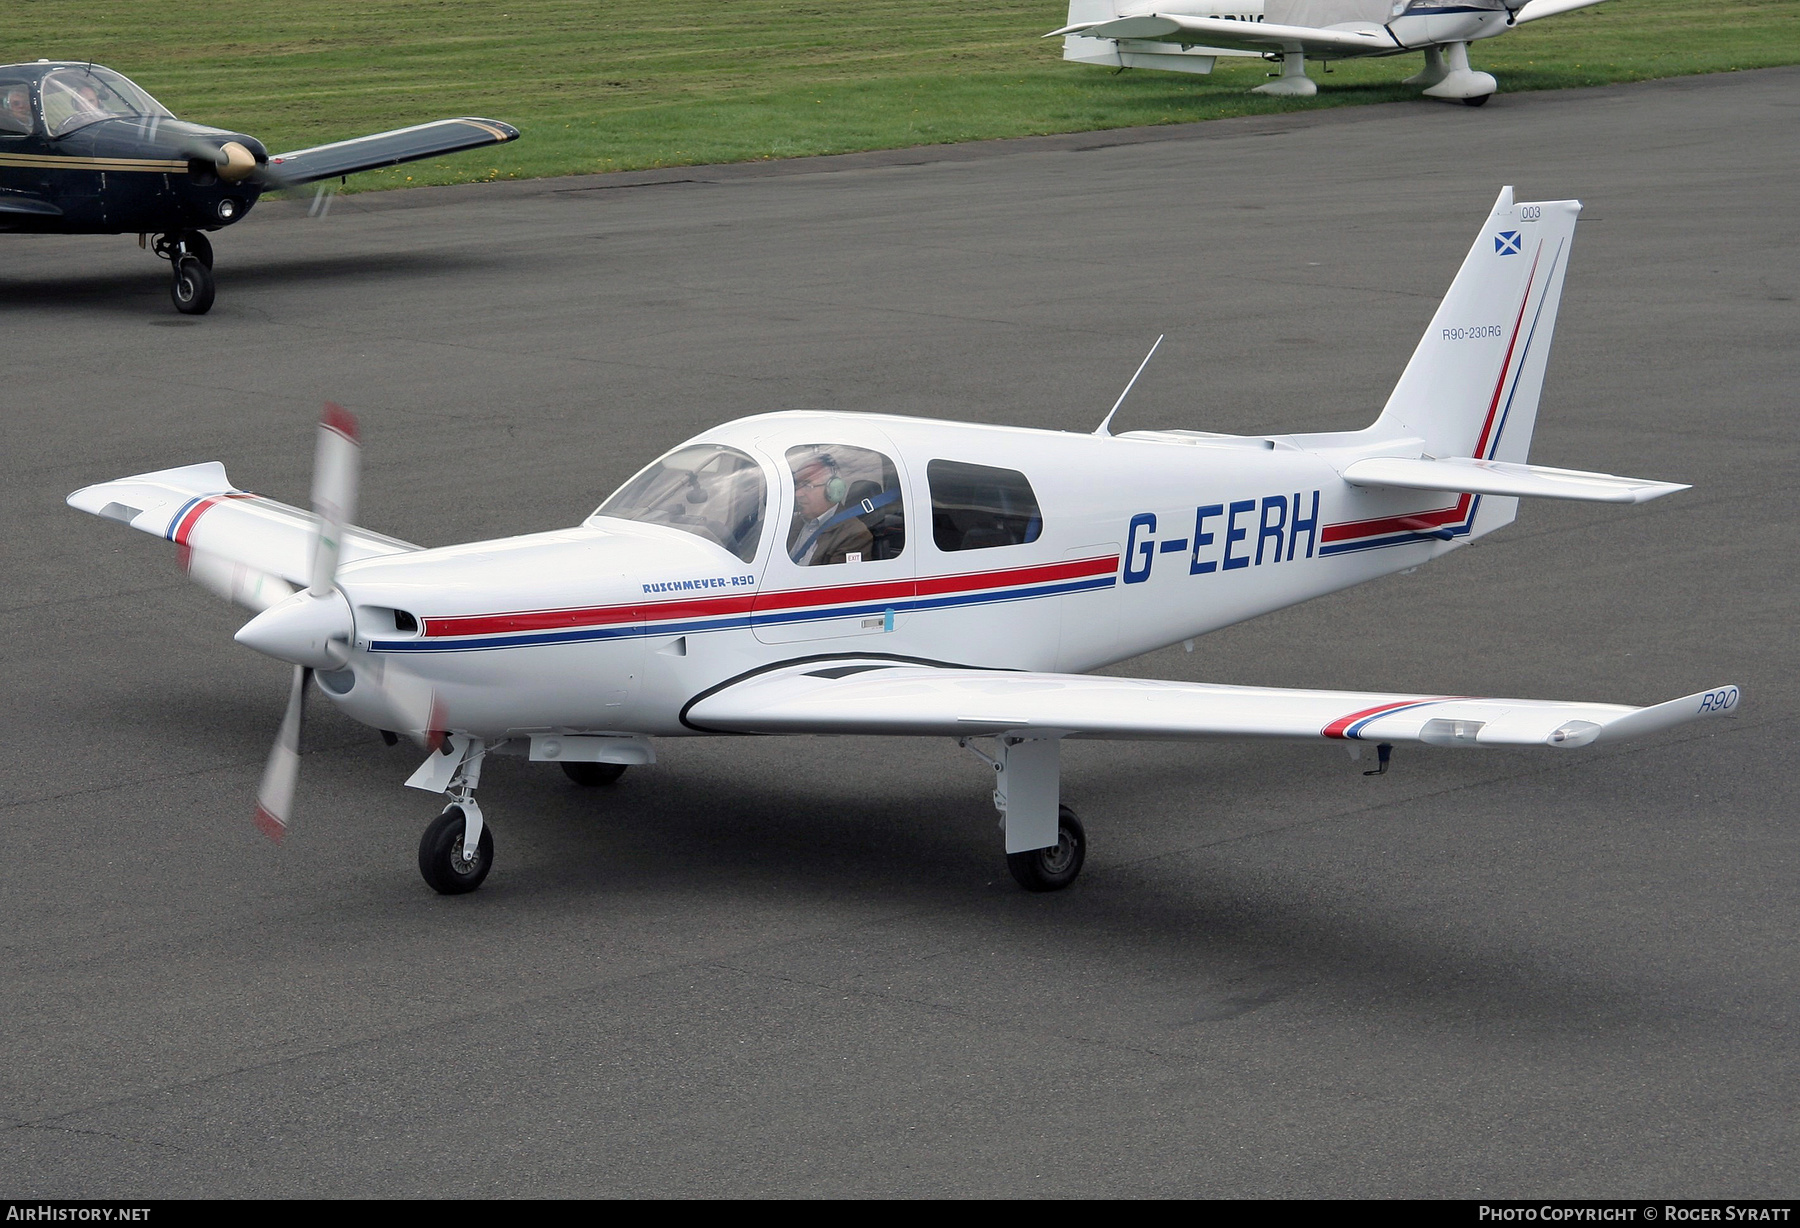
point(884, 697)
point(1466, 475)
point(1244, 35)
point(365, 153)
point(237, 541)
point(1549, 8)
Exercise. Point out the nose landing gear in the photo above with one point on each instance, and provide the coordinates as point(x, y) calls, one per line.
point(445, 860)
point(457, 850)
point(190, 257)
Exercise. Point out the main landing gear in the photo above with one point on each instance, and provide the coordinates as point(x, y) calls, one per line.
point(190, 258)
point(1046, 844)
point(1053, 868)
point(590, 774)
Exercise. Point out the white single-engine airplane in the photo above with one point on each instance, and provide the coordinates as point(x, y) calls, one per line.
point(834, 573)
point(1188, 35)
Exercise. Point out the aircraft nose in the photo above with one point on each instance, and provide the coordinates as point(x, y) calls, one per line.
point(235, 161)
point(306, 629)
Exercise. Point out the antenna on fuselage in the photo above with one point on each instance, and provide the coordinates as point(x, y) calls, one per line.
point(1107, 421)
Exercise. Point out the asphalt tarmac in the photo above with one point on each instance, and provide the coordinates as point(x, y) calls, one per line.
point(798, 967)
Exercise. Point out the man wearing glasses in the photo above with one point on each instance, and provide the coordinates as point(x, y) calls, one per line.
point(824, 532)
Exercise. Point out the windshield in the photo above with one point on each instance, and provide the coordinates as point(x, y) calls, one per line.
point(76, 97)
point(708, 490)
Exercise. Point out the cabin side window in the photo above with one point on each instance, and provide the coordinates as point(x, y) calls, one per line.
point(848, 506)
point(977, 507)
point(15, 108)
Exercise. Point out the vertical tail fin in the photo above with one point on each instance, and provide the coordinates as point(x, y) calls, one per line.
point(1472, 386)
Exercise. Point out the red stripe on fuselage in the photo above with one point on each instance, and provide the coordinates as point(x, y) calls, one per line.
point(791, 599)
point(1415, 522)
point(1424, 522)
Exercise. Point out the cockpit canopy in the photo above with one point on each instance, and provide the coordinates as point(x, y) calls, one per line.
point(84, 94)
point(708, 490)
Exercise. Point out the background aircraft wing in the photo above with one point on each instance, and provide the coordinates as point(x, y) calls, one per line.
point(366, 153)
point(1548, 8)
point(873, 696)
point(1370, 39)
point(26, 204)
point(246, 548)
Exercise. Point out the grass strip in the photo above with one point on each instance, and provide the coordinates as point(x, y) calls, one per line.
point(599, 85)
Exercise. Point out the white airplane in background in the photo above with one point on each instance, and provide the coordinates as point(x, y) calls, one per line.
point(1188, 35)
point(837, 573)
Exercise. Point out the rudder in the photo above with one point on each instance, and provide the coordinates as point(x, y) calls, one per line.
point(1471, 388)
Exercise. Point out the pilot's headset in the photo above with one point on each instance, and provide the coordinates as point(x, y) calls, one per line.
point(835, 486)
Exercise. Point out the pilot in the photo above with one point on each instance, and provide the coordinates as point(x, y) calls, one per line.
point(87, 100)
point(15, 110)
point(823, 532)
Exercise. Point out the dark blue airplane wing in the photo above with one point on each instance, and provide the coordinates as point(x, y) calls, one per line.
point(366, 153)
point(24, 202)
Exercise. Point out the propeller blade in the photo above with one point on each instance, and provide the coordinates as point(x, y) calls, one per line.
point(334, 491)
point(275, 797)
point(238, 584)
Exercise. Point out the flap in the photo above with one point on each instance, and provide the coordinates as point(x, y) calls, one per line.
point(1459, 475)
point(380, 149)
point(876, 696)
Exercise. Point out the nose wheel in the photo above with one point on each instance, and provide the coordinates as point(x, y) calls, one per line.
point(190, 258)
point(448, 865)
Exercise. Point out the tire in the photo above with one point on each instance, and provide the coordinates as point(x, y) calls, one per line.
point(593, 773)
point(1478, 101)
point(1056, 867)
point(199, 247)
point(440, 854)
point(192, 288)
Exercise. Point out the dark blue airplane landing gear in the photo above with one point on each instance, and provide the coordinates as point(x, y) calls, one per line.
point(190, 256)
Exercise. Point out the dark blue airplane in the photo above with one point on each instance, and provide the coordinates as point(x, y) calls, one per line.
point(83, 150)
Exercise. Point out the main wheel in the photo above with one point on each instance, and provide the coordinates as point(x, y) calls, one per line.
point(1053, 868)
point(593, 773)
point(1478, 101)
point(193, 287)
point(441, 858)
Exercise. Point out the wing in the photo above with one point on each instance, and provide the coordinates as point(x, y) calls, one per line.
point(872, 696)
point(1369, 39)
point(26, 204)
point(1548, 8)
point(249, 549)
point(366, 153)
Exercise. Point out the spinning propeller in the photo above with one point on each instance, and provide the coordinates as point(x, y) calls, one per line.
point(313, 628)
